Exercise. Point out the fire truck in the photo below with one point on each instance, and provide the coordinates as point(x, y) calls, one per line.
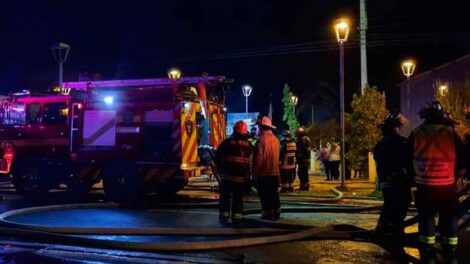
point(136, 136)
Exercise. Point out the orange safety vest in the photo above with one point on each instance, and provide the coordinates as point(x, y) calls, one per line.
point(288, 161)
point(434, 155)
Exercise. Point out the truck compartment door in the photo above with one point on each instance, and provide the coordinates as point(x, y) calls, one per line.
point(189, 133)
point(217, 123)
point(99, 128)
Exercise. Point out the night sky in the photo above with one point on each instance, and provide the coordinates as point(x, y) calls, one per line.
point(263, 43)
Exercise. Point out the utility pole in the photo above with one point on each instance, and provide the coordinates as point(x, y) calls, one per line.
point(362, 31)
point(313, 114)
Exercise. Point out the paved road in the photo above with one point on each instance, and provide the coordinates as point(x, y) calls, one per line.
point(14, 250)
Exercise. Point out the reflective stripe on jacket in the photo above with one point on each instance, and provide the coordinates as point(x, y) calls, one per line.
point(233, 159)
point(434, 156)
point(288, 149)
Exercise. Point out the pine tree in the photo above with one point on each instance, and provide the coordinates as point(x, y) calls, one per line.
point(289, 116)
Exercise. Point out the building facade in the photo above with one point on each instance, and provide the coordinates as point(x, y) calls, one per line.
point(420, 89)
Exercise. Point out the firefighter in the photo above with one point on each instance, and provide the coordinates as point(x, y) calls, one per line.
point(303, 158)
point(287, 159)
point(266, 170)
point(436, 152)
point(389, 155)
point(233, 167)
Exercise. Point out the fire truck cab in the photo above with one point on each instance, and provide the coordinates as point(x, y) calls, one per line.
point(137, 136)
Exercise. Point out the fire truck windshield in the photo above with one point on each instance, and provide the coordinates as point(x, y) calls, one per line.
point(55, 113)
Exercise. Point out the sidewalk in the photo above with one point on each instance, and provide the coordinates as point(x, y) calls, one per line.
point(320, 186)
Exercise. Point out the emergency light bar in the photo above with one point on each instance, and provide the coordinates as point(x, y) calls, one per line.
point(161, 82)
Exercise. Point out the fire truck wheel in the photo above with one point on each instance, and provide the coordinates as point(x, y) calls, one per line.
point(77, 180)
point(28, 176)
point(169, 188)
point(122, 182)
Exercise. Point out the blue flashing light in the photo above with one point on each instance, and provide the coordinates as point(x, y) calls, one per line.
point(108, 100)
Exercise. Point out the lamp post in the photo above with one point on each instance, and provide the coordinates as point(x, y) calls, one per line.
point(174, 74)
point(294, 99)
point(342, 32)
point(246, 89)
point(408, 67)
point(60, 51)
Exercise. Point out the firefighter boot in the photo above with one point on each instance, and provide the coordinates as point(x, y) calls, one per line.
point(284, 188)
point(426, 248)
point(266, 215)
point(277, 214)
point(304, 187)
point(223, 218)
point(291, 187)
point(237, 218)
point(450, 244)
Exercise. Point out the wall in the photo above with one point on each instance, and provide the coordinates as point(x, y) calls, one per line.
point(422, 87)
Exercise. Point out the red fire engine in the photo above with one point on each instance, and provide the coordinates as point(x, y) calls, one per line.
point(137, 136)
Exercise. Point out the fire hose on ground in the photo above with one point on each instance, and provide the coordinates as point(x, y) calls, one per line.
point(274, 233)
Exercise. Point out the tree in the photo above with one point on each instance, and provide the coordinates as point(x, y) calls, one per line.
point(323, 132)
point(363, 132)
point(454, 101)
point(289, 109)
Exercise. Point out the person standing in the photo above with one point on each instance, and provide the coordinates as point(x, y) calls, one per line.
point(233, 166)
point(394, 181)
point(303, 158)
point(287, 159)
point(324, 155)
point(265, 170)
point(334, 159)
point(253, 135)
point(437, 155)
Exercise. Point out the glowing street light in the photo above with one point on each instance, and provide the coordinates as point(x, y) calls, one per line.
point(294, 99)
point(408, 67)
point(342, 30)
point(174, 74)
point(341, 27)
point(443, 90)
point(246, 89)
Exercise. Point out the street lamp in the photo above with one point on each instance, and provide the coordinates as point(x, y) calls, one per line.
point(174, 74)
point(246, 89)
point(408, 68)
point(294, 99)
point(342, 32)
point(60, 51)
point(443, 90)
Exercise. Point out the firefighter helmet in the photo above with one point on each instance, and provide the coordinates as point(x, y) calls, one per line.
point(432, 110)
point(240, 127)
point(266, 123)
point(392, 121)
point(300, 132)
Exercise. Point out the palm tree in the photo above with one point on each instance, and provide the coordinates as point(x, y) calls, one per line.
point(319, 95)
